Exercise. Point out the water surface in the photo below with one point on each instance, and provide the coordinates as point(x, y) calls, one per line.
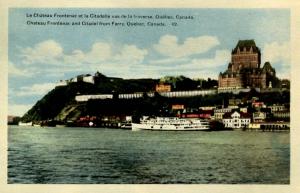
point(99, 155)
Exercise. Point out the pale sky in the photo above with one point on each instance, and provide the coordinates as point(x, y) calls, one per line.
point(40, 56)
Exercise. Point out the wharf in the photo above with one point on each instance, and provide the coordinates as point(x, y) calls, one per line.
point(269, 126)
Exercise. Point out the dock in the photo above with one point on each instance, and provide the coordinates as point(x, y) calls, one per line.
point(269, 126)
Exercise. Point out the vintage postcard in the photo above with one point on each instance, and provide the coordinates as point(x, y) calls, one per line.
point(149, 97)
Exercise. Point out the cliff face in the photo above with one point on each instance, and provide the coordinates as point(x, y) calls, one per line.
point(53, 102)
point(60, 103)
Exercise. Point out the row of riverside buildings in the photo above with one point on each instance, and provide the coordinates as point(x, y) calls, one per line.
point(250, 114)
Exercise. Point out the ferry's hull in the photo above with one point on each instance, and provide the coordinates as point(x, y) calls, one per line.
point(137, 127)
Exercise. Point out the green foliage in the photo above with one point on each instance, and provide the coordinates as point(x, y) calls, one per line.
point(184, 83)
point(51, 104)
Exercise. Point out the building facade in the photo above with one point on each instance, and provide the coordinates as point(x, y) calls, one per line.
point(163, 87)
point(259, 117)
point(84, 98)
point(244, 70)
point(218, 113)
point(277, 107)
point(236, 120)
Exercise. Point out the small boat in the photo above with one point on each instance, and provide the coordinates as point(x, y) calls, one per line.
point(60, 125)
point(171, 124)
point(25, 124)
point(126, 126)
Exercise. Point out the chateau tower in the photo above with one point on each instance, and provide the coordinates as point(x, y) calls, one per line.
point(244, 70)
point(245, 55)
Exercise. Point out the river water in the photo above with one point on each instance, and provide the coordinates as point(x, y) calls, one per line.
point(113, 156)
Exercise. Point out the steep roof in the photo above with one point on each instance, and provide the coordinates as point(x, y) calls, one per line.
point(242, 115)
point(246, 44)
point(268, 66)
point(227, 115)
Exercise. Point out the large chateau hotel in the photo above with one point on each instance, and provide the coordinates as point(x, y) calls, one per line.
point(244, 70)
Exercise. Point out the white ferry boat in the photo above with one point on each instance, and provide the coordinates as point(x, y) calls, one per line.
point(170, 124)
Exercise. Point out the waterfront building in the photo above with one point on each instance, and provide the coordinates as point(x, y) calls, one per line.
point(13, 119)
point(282, 114)
point(207, 108)
point(258, 105)
point(235, 101)
point(208, 114)
point(84, 98)
point(10, 118)
point(269, 126)
point(244, 70)
point(177, 107)
point(233, 106)
point(254, 126)
point(244, 109)
point(236, 120)
point(163, 87)
point(259, 117)
point(277, 107)
point(131, 96)
point(190, 93)
point(218, 113)
point(235, 90)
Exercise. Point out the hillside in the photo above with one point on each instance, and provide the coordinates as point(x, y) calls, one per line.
point(60, 97)
point(60, 102)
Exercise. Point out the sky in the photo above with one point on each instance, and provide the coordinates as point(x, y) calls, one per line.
point(40, 56)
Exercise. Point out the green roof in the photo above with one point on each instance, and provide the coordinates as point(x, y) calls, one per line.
point(246, 44)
